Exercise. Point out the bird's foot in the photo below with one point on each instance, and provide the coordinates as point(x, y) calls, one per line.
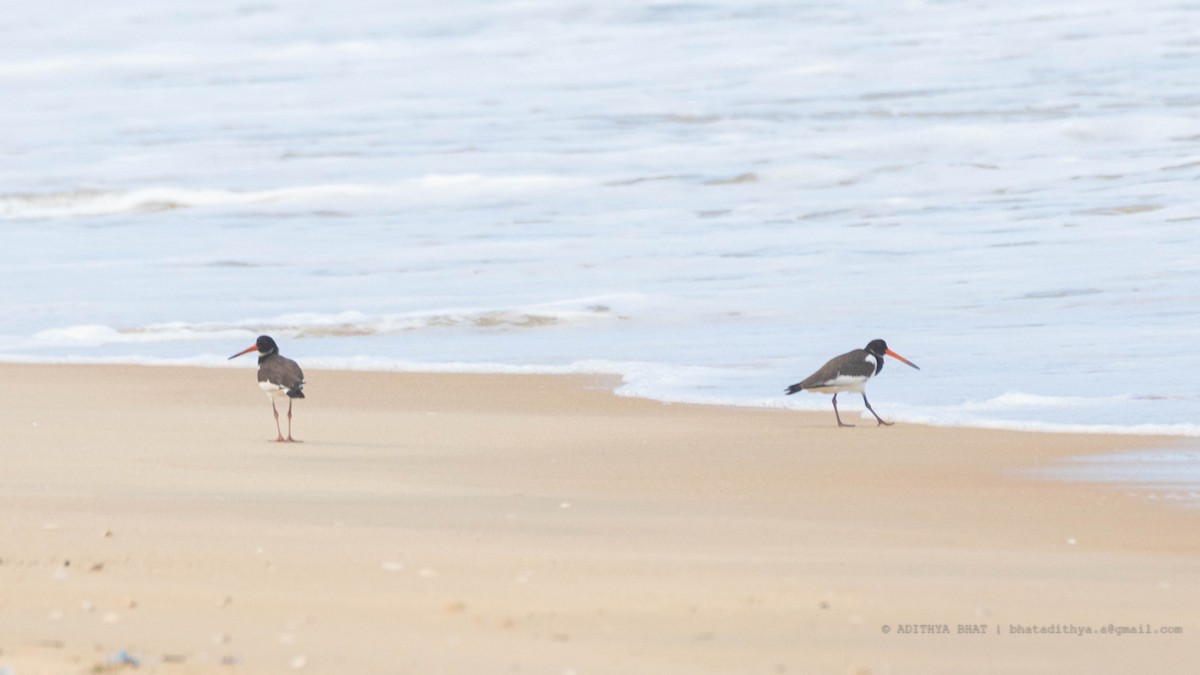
point(843, 424)
point(293, 440)
point(281, 439)
point(884, 424)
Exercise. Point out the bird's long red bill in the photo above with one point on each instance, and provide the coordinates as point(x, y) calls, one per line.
point(254, 348)
point(892, 354)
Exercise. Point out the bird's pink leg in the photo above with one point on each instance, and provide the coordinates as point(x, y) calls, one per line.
point(839, 417)
point(881, 422)
point(289, 438)
point(278, 434)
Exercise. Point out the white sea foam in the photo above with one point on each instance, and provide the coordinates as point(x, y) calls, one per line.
point(423, 190)
point(1016, 400)
point(341, 324)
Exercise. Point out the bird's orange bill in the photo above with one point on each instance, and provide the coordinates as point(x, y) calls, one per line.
point(889, 352)
point(254, 348)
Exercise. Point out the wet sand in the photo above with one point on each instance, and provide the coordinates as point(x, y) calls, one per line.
point(540, 524)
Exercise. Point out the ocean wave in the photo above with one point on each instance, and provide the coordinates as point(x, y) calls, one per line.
point(1015, 400)
point(423, 189)
point(343, 324)
point(1187, 430)
point(954, 416)
point(181, 59)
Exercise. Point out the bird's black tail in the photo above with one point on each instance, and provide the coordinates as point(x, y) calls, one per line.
point(298, 392)
point(794, 388)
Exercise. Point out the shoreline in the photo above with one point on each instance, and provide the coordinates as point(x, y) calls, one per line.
point(618, 379)
point(538, 523)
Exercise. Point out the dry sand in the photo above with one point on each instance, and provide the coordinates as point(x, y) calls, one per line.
point(536, 524)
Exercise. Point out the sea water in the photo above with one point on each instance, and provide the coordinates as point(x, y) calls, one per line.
point(1168, 476)
point(707, 198)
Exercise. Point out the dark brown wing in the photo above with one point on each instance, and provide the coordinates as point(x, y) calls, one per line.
point(851, 364)
point(281, 371)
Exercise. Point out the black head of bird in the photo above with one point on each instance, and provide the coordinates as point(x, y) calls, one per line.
point(264, 345)
point(878, 348)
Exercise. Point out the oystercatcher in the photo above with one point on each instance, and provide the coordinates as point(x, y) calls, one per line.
point(850, 372)
point(278, 376)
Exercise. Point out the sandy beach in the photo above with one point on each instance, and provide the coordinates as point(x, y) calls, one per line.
point(540, 524)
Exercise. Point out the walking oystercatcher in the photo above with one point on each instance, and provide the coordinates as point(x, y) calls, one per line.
point(278, 376)
point(850, 372)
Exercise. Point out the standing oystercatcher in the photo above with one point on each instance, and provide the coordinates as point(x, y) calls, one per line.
point(850, 372)
point(278, 376)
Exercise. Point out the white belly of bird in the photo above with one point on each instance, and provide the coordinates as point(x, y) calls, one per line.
point(842, 383)
point(273, 389)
